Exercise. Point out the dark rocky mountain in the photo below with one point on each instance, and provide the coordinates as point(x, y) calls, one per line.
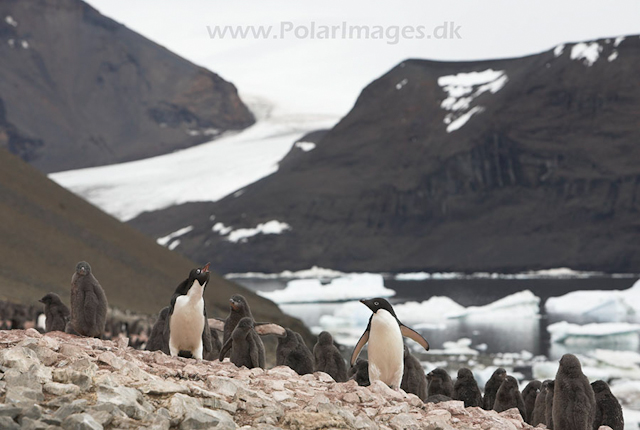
point(78, 89)
point(502, 165)
point(45, 230)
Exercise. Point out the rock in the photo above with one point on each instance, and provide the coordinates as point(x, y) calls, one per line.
point(35, 412)
point(72, 351)
point(59, 389)
point(75, 407)
point(110, 358)
point(224, 386)
point(7, 423)
point(202, 418)
point(32, 332)
point(81, 422)
point(162, 386)
point(7, 410)
point(32, 424)
point(216, 403)
point(381, 388)
point(104, 418)
point(128, 400)
point(300, 420)
point(19, 358)
point(404, 421)
point(19, 394)
point(70, 376)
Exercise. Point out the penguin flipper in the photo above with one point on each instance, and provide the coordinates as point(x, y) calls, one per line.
point(216, 324)
point(225, 348)
point(270, 328)
point(363, 340)
point(412, 334)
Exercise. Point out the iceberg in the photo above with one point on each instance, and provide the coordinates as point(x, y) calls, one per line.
point(599, 305)
point(524, 304)
point(596, 333)
point(350, 287)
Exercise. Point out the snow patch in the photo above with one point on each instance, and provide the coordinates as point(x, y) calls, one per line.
point(613, 56)
point(306, 146)
point(24, 44)
point(173, 245)
point(9, 20)
point(350, 287)
point(166, 239)
point(618, 41)
point(233, 161)
point(402, 83)
point(270, 227)
point(315, 272)
point(11, 42)
point(221, 228)
point(558, 50)
point(462, 89)
point(589, 52)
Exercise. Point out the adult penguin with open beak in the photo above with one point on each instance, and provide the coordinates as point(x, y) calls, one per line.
point(386, 347)
point(188, 331)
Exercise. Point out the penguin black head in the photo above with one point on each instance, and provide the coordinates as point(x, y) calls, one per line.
point(325, 338)
point(570, 365)
point(83, 268)
point(50, 298)
point(500, 373)
point(237, 302)
point(599, 386)
point(378, 303)
point(464, 373)
point(201, 274)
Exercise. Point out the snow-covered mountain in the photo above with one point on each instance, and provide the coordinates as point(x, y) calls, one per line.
point(78, 89)
point(503, 165)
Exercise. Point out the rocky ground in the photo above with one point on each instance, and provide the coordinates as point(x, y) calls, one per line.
point(61, 381)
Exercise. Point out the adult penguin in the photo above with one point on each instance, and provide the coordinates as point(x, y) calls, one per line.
point(386, 348)
point(186, 328)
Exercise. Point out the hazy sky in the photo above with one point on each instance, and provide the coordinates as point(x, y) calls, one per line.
point(304, 75)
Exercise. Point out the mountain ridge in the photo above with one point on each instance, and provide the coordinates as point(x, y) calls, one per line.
point(500, 165)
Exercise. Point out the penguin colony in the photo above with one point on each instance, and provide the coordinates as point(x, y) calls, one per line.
point(182, 328)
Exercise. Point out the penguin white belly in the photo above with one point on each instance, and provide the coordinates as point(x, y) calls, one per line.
point(386, 349)
point(187, 323)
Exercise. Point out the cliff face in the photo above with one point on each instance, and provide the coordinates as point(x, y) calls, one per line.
point(78, 89)
point(502, 165)
point(60, 379)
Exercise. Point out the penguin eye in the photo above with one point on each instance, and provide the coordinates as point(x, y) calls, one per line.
point(376, 303)
point(198, 271)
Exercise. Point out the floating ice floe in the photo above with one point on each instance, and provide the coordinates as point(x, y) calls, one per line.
point(589, 52)
point(462, 89)
point(599, 305)
point(596, 333)
point(417, 314)
point(556, 273)
point(523, 304)
point(458, 347)
point(350, 287)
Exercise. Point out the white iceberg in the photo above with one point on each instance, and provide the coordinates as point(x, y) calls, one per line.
point(350, 287)
point(609, 333)
point(599, 305)
point(437, 308)
point(523, 304)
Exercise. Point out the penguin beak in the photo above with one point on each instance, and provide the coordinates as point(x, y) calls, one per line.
point(205, 269)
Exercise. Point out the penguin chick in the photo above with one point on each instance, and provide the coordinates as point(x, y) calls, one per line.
point(293, 352)
point(574, 403)
point(466, 389)
point(529, 395)
point(56, 313)
point(245, 347)
point(328, 358)
point(88, 303)
point(608, 409)
point(439, 383)
point(492, 386)
point(413, 379)
point(359, 372)
point(509, 396)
